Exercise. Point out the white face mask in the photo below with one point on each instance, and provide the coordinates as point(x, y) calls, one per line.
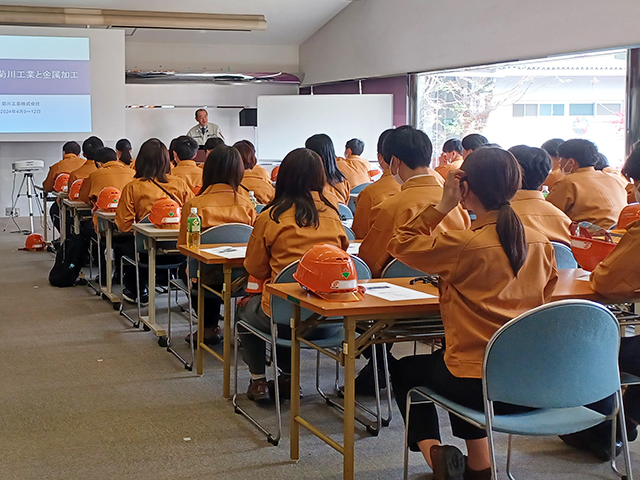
point(565, 170)
point(396, 175)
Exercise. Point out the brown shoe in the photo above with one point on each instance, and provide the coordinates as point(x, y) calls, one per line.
point(448, 463)
point(477, 474)
point(258, 391)
point(212, 336)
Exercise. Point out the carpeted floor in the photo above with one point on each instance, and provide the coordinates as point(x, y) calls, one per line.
point(86, 396)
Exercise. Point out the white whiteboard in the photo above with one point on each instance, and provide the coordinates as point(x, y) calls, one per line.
point(286, 121)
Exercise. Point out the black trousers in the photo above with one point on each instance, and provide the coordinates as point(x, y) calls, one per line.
point(431, 371)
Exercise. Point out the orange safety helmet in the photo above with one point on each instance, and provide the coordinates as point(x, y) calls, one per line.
point(628, 215)
point(108, 199)
point(274, 173)
point(196, 189)
point(165, 213)
point(61, 183)
point(374, 172)
point(330, 273)
point(74, 189)
point(254, 285)
point(589, 251)
point(34, 242)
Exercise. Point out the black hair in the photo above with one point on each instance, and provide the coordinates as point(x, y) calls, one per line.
point(452, 145)
point(185, 147)
point(493, 175)
point(323, 146)
point(551, 146)
point(382, 150)
point(124, 147)
point(247, 152)
point(473, 141)
point(356, 145)
point(71, 147)
point(631, 168)
point(602, 163)
point(301, 173)
point(105, 155)
point(223, 165)
point(410, 145)
point(584, 152)
point(213, 142)
point(201, 110)
point(536, 165)
point(489, 145)
point(89, 147)
point(153, 161)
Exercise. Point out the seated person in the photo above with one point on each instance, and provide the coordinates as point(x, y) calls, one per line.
point(151, 182)
point(352, 166)
point(617, 278)
point(489, 274)
point(584, 193)
point(375, 193)
point(89, 148)
point(210, 144)
point(472, 142)
point(111, 172)
point(529, 203)
point(123, 149)
point(338, 188)
point(217, 203)
point(410, 150)
point(450, 158)
point(299, 217)
point(256, 179)
point(184, 151)
point(551, 147)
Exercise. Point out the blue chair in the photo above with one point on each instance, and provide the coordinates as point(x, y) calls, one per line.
point(354, 201)
point(260, 208)
point(226, 233)
point(344, 212)
point(564, 256)
point(351, 236)
point(329, 336)
point(555, 359)
point(396, 269)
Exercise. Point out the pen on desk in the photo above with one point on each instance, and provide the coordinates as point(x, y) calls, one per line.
point(380, 287)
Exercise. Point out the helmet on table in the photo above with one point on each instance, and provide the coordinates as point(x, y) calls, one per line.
point(165, 213)
point(74, 189)
point(108, 199)
point(61, 183)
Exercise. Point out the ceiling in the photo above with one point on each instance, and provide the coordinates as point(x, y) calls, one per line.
point(290, 22)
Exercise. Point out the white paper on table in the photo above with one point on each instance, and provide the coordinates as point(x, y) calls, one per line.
point(227, 251)
point(394, 293)
point(353, 248)
point(585, 277)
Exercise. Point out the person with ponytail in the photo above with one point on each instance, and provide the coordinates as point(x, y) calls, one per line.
point(123, 150)
point(489, 274)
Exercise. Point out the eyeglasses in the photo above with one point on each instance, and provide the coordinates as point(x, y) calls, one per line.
point(431, 279)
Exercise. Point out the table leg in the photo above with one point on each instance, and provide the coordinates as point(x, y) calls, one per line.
point(45, 216)
point(200, 352)
point(349, 397)
point(226, 355)
point(63, 223)
point(76, 221)
point(152, 280)
point(295, 385)
point(108, 259)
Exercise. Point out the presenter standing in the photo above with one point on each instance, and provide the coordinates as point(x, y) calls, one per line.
point(204, 130)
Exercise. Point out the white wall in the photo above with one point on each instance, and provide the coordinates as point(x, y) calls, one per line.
point(387, 37)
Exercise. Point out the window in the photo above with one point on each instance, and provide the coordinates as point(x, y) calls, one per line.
point(525, 109)
point(518, 110)
point(552, 109)
point(608, 108)
point(581, 109)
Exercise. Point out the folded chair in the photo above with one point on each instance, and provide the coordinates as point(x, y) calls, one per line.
point(554, 359)
point(227, 233)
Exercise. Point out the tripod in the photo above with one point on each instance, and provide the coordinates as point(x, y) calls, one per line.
point(27, 179)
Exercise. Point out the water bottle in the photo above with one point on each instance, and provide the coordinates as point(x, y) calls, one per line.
point(545, 191)
point(193, 228)
point(252, 197)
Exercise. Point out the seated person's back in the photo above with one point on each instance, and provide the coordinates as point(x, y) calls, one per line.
point(410, 151)
point(338, 187)
point(586, 194)
point(89, 148)
point(530, 204)
point(256, 179)
point(219, 201)
point(112, 173)
point(451, 157)
point(352, 166)
point(70, 162)
point(185, 150)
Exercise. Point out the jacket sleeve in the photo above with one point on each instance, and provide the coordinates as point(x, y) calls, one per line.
point(617, 275)
point(561, 196)
point(414, 245)
point(361, 218)
point(258, 255)
point(373, 249)
point(126, 212)
point(85, 189)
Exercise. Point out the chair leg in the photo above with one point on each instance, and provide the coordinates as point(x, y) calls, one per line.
point(489, 429)
point(406, 438)
point(509, 451)
point(387, 377)
point(123, 312)
point(625, 440)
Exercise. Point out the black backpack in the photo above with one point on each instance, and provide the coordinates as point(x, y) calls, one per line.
point(69, 260)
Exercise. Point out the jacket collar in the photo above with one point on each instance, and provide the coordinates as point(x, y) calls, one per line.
point(115, 164)
point(486, 219)
point(425, 180)
point(218, 188)
point(69, 156)
point(585, 169)
point(187, 163)
point(527, 195)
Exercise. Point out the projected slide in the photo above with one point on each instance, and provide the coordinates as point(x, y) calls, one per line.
point(45, 84)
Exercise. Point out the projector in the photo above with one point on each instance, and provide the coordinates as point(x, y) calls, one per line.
point(26, 166)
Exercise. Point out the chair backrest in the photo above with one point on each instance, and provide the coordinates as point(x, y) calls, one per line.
point(397, 269)
point(260, 207)
point(225, 233)
point(360, 187)
point(345, 212)
point(563, 354)
point(281, 309)
point(564, 256)
point(351, 236)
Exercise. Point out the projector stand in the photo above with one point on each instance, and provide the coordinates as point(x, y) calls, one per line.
point(27, 177)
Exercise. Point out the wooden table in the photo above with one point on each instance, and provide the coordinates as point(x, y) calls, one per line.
point(373, 315)
point(153, 235)
point(78, 211)
point(228, 264)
